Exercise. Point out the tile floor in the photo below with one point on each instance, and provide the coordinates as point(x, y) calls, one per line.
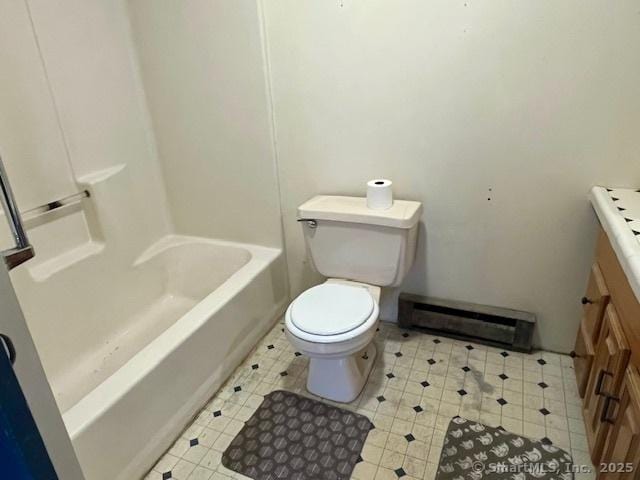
point(418, 383)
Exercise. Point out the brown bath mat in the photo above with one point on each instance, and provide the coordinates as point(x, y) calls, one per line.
point(294, 437)
point(475, 451)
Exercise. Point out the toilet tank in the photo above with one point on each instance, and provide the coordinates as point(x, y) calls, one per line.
point(346, 239)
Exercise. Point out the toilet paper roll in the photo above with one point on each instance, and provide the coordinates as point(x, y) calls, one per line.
point(379, 195)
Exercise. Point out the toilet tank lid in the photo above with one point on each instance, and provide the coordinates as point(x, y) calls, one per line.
point(402, 214)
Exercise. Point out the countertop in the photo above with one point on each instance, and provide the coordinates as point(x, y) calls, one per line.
point(619, 212)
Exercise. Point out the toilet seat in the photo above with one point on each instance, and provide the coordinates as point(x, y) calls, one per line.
point(358, 301)
point(331, 309)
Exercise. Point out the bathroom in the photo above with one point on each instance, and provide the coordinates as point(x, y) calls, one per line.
point(165, 156)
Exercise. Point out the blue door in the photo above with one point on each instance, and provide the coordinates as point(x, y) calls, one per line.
point(22, 451)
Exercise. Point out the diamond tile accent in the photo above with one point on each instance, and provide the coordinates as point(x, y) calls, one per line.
point(437, 341)
point(501, 401)
point(504, 354)
point(398, 354)
point(462, 392)
point(466, 369)
point(193, 442)
point(544, 411)
point(503, 376)
point(469, 347)
point(237, 389)
point(255, 366)
point(167, 475)
point(283, 374)
point(431, 361)
point(425, 384)
point(418, 409)
point(217, 413)
point(270, 347)
point(390, 375)
point(297, 354)
point(381, 398)
point(409, 437)
point(541, 361)
point(542, 385)
point(400, 472)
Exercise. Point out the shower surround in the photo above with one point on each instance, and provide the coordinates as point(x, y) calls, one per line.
point(143, 297)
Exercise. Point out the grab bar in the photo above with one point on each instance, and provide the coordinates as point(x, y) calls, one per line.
point(68, 200)
point(23, 250)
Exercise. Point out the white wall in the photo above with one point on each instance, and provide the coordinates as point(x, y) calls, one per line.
point(497, 115)
point(204, 78)
point(31, 143)
point(87, 50)
point(72, 106)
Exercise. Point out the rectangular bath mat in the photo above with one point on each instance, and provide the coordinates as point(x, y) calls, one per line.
point(293, 437)
point(475, 451)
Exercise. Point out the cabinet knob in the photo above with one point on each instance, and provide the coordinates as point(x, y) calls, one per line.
point(585, 301)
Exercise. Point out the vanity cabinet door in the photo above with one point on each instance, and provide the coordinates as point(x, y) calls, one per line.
point(594, 303)
point(621, 458)
point(609, 364)
point(583, 357)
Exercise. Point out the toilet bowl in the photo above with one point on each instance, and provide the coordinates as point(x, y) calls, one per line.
point(360, 251)
point(334, 325)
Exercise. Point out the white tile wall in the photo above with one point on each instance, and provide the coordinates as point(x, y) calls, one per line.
point(418, 383)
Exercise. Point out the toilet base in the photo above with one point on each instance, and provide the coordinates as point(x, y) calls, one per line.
point(341, 379)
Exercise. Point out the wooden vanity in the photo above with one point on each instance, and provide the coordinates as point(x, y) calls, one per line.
point(607, 357)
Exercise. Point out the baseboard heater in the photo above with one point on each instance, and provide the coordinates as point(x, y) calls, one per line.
point(495, 326)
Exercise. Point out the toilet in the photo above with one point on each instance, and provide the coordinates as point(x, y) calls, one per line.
point(360, 251)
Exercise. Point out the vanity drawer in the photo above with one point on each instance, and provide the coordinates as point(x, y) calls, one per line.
point(622, 294)
point(594, 303)
point(583, 357)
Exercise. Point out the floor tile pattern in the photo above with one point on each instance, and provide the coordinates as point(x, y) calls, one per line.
point(418, 383)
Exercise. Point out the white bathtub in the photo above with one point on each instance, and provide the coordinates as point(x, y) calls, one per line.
point(200, 305)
